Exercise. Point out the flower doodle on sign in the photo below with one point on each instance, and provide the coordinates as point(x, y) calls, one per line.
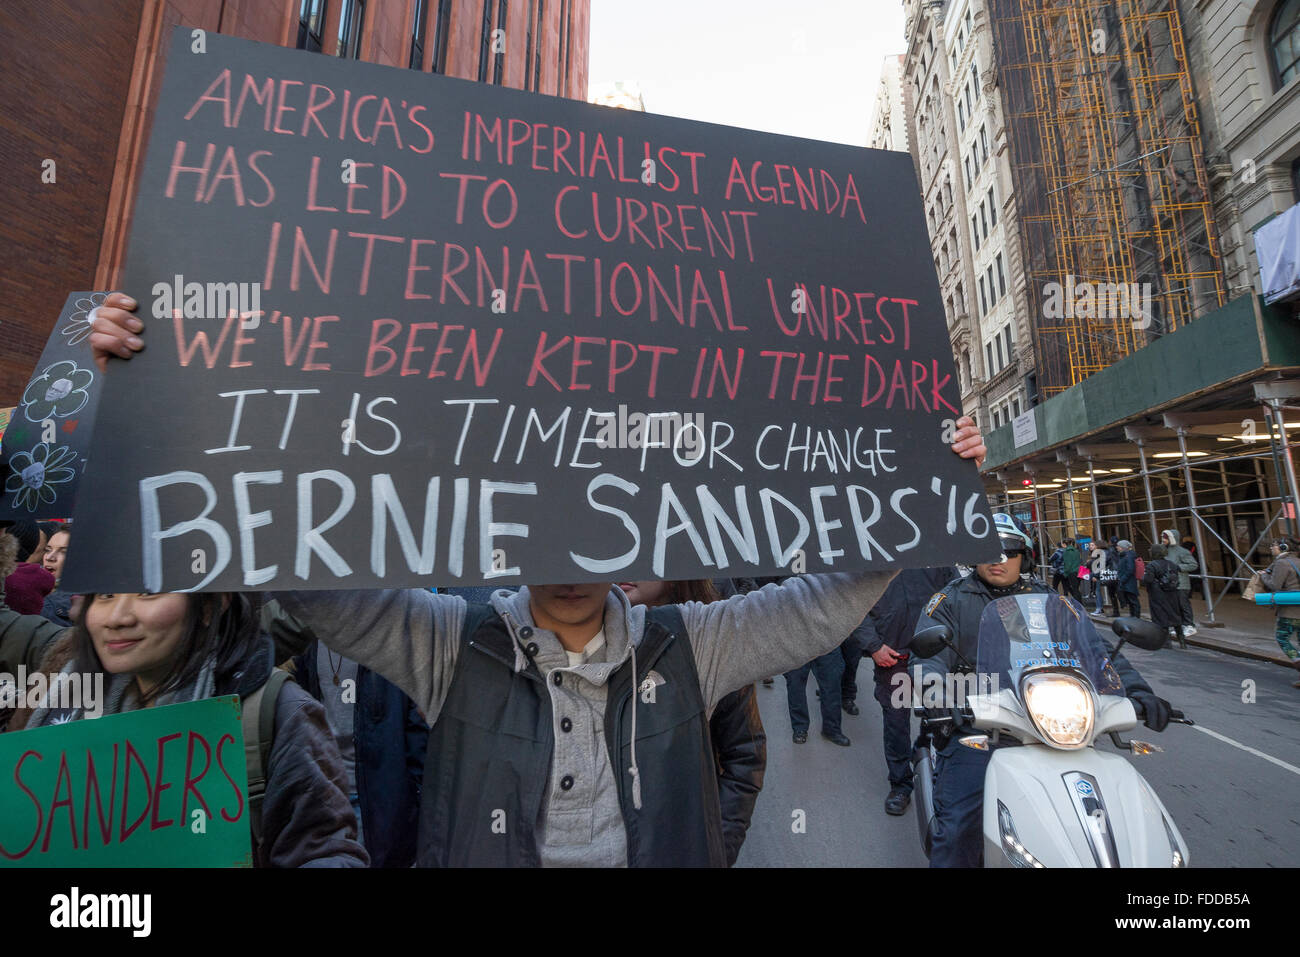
point(59, 390)
point(34, 474)
point(79, 323)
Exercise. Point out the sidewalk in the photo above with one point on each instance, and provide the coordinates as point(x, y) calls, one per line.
point(1246, 628)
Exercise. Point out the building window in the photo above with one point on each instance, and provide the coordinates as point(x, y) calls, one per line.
point(1295, 179)
point(975, 75)
point(418, 25)
point(1015, 407)
point(993, 292)
point(562, 64)
point(499, 58)
point(984, 302)
point(984, 219)
point(988, 354)
point(439, 62)
point(975, 229)
point(1284, 39)
point(1011, 343)
point(528, 45)
point(966, 162)
point(961, 116)
point(1002, 351)
point(1002, 277)
point(537, 60)
point(984, 145)
point(311, 24)
point(485, 41)
point(993, 208)
point(352, 18)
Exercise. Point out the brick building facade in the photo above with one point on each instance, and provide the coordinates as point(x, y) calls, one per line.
point(81, 78)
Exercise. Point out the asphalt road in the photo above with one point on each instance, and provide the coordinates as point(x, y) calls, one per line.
point(1234, 808)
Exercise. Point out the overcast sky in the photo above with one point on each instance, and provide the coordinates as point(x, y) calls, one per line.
point(804, 68)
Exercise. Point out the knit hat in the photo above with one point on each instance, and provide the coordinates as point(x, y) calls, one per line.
point(26, 588)
point(1125, 544)
point(28, 535)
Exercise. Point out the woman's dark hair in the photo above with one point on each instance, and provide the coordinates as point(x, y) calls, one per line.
point(699, 589)
point(1158, 552)
point(222, 625)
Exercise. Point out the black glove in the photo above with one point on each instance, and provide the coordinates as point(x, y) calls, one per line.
point(1154, 710)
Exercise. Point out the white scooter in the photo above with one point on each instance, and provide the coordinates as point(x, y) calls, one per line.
point(1040, 679)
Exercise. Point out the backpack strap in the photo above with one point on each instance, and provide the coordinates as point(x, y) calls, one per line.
point(258, 723)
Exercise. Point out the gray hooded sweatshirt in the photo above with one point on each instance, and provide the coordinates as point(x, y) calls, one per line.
point(412, 638)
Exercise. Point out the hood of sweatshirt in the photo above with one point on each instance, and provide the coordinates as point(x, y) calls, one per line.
point(624, 627)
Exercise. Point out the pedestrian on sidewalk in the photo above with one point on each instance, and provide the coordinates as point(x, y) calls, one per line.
point(1186, 563)
point(1070, 562)
point(1161, 579)
point(1284, 575)
point(1126, 583)
point(1057, 563)
point(829, 671)
point(1103, 576)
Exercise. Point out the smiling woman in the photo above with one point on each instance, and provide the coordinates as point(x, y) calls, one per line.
point(162, 649)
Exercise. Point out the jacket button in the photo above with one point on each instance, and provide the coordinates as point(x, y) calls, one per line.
point(556, 678)
point(525, 632)
point(531, 649)
point(566, 725)
point(566, 782)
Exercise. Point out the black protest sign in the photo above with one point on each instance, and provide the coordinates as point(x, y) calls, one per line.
point(45, 443)
point(404, 329)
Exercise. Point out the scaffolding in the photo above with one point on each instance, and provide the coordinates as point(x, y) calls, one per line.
point(1109, 175)
point(1229, 486)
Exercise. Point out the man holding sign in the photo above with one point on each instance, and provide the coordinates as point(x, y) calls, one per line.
point(569, 728)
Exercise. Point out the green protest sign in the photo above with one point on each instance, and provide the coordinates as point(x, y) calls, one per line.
point(162, 787)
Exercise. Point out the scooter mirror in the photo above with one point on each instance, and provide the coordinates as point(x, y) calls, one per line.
point(1145, 634)
point(931, 641)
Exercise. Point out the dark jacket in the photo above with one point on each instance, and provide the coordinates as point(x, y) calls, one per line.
point(24, 640)
point(1126, 567)
point(892, 620)
point(960, 604)
point(58, 608)
point(307, 819)
point(1164, 604)
point(495, 736)
point(390, 738)
point(740, 749)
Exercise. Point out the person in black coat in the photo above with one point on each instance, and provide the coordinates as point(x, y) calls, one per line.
point(1161, 579)
point(885, 635)
point(383, 755)
point(1126, 585)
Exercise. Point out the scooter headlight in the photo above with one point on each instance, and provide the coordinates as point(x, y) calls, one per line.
point(1061, 707)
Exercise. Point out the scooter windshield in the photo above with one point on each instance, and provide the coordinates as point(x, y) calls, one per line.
point(1023, 632)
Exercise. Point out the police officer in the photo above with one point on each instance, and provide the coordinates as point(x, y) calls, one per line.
point(959, 771)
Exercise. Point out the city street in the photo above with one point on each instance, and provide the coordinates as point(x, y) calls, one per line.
point(1231, 805)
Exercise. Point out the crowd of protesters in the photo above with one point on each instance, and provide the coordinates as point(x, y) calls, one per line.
point(574, 724)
